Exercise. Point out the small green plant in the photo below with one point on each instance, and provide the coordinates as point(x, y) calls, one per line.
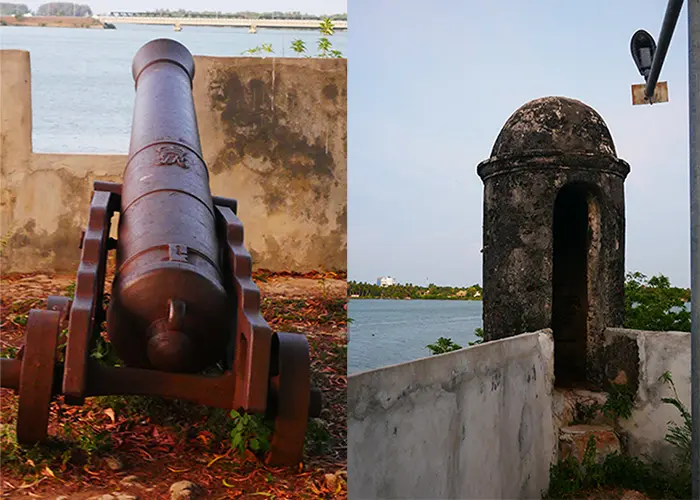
point(340, 353)
point(327, 28)
point(87, 440)
point(680, 436)
point(569, 476)
point(298, 46)
point(9, 351)
point(443, 345)
point(479, 332)
point(324, 45)
point(620, 402)
point(318, 438)
point(8, 442)
point(618, 405)
point(585, 413)
point(51, 456)
point(265, 48)
point(249, 431)
point(178, 414)
point(70, 290)
point(20, 319)
point(104, 352)
point(62, 344)
point(571, 479)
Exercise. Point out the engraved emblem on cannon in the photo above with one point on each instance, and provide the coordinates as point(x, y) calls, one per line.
point(182, 298)
point(170, 154)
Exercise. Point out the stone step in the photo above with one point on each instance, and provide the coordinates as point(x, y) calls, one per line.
point(573, 406)
point(573, 440)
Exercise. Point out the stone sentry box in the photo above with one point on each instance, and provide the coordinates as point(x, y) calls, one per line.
point(554, 233)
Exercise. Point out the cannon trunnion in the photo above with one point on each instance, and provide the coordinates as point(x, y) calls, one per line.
point(182, 297)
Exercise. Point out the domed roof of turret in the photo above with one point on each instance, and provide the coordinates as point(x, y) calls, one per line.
point(554, 125)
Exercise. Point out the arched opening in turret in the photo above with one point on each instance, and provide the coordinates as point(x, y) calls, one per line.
point(575, 252)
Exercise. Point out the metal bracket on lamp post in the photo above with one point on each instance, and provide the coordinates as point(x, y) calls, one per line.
point(649, 58)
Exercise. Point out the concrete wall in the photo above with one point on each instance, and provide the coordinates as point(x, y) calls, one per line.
point(475, 423)
point(655, 353)
point(273, 134)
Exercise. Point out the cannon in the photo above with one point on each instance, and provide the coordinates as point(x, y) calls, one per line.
point(182, 300)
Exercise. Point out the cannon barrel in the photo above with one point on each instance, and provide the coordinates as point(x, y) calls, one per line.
point(168, 308)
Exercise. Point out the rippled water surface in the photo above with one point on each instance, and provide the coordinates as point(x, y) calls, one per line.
point(387, 332)
point(82, 88)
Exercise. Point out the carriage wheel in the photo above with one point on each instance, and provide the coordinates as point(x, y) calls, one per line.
point(289, 398)
point(37, 375)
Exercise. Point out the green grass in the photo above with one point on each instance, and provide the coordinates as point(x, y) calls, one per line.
point(75, 446)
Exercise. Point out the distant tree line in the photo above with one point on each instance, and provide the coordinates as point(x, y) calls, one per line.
point(63, 9)
point(238, 15)
point(13, 9)
point(410, 291)
point(47, 9)
point(650, 304)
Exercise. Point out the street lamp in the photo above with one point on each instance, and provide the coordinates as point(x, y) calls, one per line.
point(643, 47)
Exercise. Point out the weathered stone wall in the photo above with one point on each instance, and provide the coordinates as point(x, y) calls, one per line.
point(518, 240)
point(475, 423)
point(645, 357)
point(273, 133)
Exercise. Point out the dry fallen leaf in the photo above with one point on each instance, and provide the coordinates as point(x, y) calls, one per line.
point(217, 457)
point(331, 481)
point(90, 472)
point(31, 485)
point(228, 485)
point(110, 413)
point(178, 470)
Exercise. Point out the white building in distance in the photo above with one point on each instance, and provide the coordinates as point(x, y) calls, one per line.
point(386, 281)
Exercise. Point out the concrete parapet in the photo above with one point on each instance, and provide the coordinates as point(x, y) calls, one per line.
point(475, 423)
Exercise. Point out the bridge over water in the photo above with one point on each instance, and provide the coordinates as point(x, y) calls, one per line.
point(129, 18)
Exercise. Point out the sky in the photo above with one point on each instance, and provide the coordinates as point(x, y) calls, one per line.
point(430, 84)
point(307, 6)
